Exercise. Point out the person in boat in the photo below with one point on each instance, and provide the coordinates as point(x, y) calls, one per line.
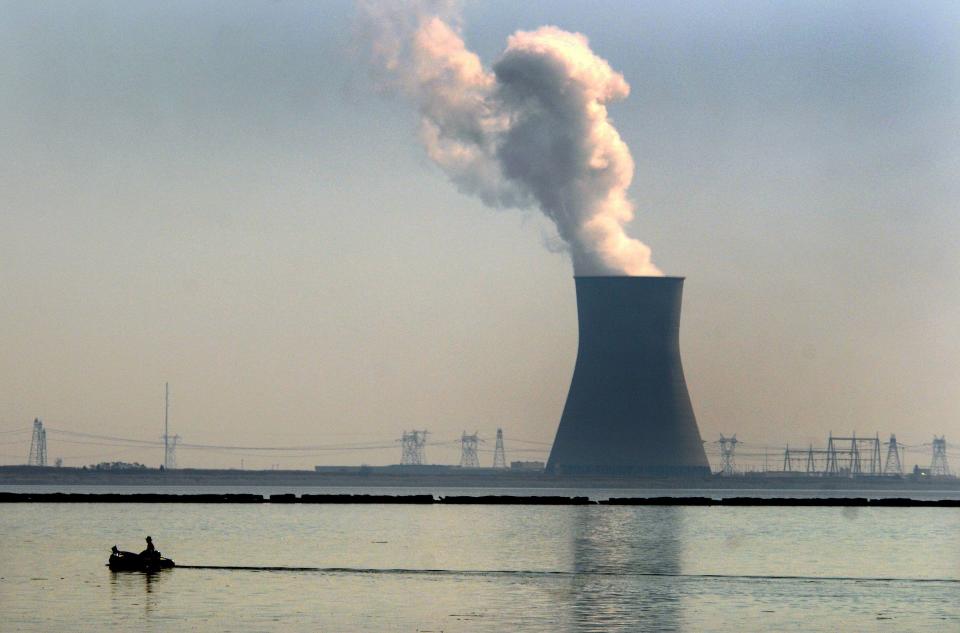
point(151, 551)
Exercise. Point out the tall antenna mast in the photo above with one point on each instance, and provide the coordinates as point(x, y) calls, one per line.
point(169, 442)
point(166, 423)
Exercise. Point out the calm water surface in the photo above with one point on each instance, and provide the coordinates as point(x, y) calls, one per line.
point(483, 568)
point(925, 492)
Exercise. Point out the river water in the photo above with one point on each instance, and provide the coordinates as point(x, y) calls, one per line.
point(483, 568)
point(595, 493)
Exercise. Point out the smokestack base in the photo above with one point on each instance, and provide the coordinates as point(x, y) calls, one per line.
point(628, 412)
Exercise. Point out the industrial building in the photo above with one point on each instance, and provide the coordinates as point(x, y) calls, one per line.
point(628, 411)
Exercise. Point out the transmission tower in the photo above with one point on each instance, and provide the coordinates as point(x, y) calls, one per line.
point(468, 450)
point(499, 455)
point(832, 468)
point(856, 466)
point(938, 465)
point(811, 466)
point(170, 453)
point(788, 459)
point(893, 465)
point(412, 444)
point(728, 447)
point(169, 441)
point(853, 456)
point(408, 446)
point(875, 468)
point(38, 445)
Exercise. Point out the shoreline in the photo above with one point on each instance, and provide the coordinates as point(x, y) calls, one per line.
point(398, 477)
point(308, 499)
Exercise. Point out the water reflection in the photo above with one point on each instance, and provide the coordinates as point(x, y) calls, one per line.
point(131, 588)
point(612, 551)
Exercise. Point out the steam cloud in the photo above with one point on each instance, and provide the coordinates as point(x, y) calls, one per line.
point(534, 131)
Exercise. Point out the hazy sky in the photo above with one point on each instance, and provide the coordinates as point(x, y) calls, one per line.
point(216, 194)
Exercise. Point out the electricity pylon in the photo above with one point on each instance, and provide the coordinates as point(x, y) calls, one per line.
point(499, 455)
point(468, 450)
point(38, 445)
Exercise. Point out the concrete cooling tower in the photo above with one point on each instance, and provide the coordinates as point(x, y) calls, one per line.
point(628, 411)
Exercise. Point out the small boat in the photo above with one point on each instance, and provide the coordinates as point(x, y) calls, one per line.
point(129, 561)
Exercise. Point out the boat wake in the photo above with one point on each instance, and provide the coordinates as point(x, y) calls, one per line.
point(561, 574)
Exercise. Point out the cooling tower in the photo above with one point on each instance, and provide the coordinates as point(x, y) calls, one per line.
point(628, 411)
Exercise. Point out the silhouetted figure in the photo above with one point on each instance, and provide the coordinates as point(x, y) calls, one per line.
point(151, 551)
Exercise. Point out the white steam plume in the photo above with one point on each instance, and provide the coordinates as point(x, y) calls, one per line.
point(533, 131)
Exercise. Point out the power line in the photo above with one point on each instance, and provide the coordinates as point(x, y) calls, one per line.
point(93, 443)
point(320, 447)
point(184, 445)
point(111, 440)
point(532, 442)
point(105, 437)
point(539, 451)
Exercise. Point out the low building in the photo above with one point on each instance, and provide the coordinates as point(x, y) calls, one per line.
point(527, 466)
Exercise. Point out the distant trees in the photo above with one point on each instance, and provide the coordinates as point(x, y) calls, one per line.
point(117, 466)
